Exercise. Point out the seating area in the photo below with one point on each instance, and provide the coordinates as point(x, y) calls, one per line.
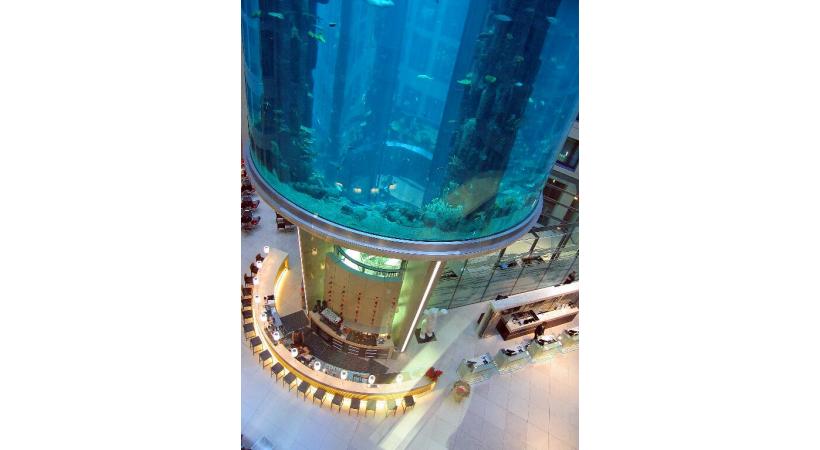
point(304, 386)
point(248, 205)
point(319, 395)
point(283, 224)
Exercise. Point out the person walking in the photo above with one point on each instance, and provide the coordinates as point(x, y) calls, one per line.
point(539, 330)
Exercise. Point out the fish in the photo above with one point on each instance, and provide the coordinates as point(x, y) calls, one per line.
point(465, 82)
point(490, 78)
point(339, 185)
point(363, 124)
point(552, 20)
point(518, 59)
point(277, 15)
point(357, 190)
point(518, 84)
point(374, 190)
point(530, 100)
point(393, 187)
point(422, 76)
point(306, 129)
point(318, 36)
point(381, 2)
point(502, 17)
point(256, 13)
point(331, 24)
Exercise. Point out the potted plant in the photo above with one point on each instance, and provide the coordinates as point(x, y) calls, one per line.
point(433, 374)
point(461, 390)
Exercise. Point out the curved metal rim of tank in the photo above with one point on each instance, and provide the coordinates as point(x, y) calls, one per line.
point(372, 243)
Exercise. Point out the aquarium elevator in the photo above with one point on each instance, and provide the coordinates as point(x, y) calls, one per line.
point(400, 134)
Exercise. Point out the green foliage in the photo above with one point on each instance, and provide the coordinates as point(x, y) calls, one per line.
point(441, 214)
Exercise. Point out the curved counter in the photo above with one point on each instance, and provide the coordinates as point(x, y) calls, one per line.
point(330, 336)
point(270, 276)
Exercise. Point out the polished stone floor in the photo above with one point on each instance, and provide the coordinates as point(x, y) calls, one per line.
point(534, 408)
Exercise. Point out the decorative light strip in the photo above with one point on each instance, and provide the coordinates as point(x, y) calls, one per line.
point(421, 304)
point(304, 285)
point(277, 287)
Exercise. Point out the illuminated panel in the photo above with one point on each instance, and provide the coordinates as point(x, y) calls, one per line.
point(299, 238)
point(421, 304)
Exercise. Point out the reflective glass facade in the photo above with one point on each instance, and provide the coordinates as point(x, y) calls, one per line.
point(413, 119)
point(541, 258)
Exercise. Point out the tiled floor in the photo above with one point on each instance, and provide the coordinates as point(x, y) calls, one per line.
point(534, 408)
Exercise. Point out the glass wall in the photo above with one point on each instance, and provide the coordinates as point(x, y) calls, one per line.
point(541, 258)
point(415, 119)
point(519, 268)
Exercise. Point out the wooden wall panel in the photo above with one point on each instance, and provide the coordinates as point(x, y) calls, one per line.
point(362, 299)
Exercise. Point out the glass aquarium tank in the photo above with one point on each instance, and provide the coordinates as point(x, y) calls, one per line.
point(421, 120)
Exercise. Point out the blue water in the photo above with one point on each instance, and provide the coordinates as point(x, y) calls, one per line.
point(421, 119)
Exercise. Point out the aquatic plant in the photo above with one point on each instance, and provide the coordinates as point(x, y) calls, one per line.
point(507, 202)
point(441, 214)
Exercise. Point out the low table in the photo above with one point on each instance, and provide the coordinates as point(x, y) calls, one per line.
point(478, 368)
point(511, 359)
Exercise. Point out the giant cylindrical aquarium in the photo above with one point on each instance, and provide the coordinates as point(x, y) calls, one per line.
point(417, 120)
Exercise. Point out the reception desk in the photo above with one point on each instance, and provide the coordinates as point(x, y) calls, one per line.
point(519, 314)
point(512, 326)
point(270, 274)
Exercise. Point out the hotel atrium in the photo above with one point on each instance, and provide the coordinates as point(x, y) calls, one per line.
point(410, 203)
